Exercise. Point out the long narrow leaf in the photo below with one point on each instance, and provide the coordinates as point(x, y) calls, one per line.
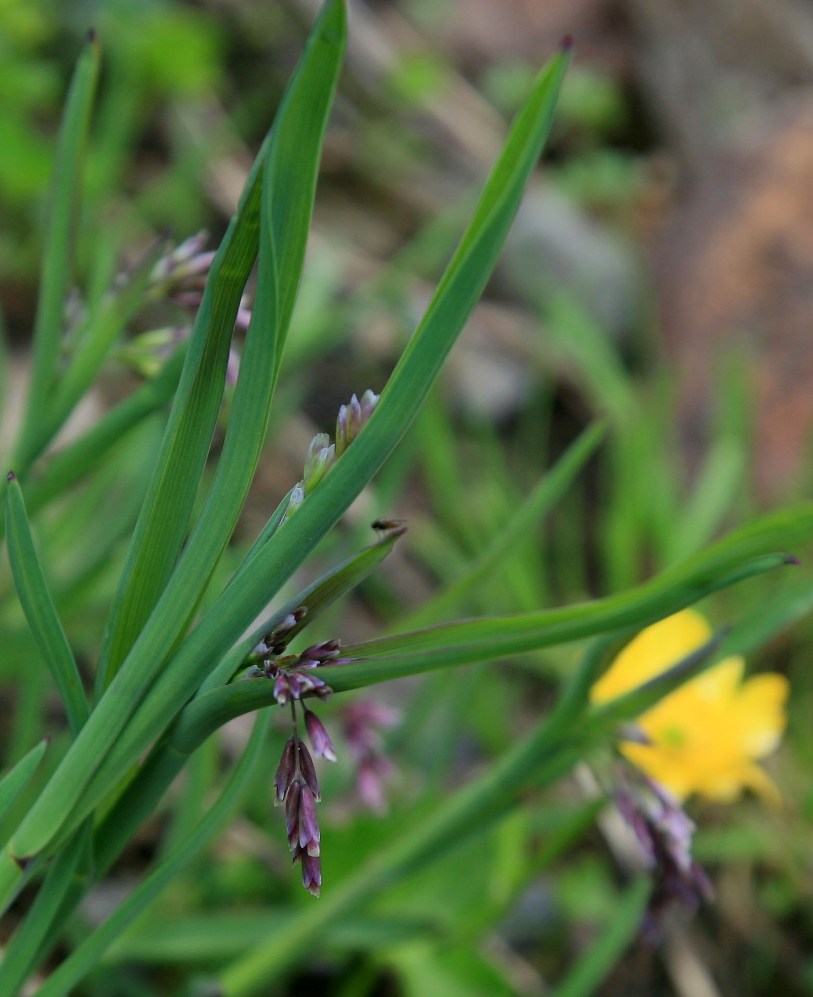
point(549, 490)
point(85, 957)
point(16, 779)
point(71, 464)
point(57, 261)
point(24, 946)
point(164, 519)
point(39, 609)
point(493, 637)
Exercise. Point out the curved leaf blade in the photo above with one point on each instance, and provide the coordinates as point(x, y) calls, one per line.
point(40, 612)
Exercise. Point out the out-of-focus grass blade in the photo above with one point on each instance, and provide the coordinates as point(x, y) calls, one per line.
point(637, 701)
point(719, 484)
point(15, 780)
point(22, 949)
point(222, 935)
point(68, 466)
point(527, 516)
point(88, 953)
point(101, 330)
point(605, 950)
point(4, 365)
point(286, 204)
point(57, 260)
point(39, 609)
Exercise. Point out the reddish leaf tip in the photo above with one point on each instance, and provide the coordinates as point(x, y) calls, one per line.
point(566, 44)
point(11, 476)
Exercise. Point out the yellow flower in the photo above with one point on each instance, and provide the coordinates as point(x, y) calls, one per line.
point(707, 735)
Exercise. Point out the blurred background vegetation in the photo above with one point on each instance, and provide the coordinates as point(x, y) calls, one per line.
point(658, 275)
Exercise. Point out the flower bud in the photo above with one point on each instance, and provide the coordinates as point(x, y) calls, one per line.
point(286, 771)
point(321, 456)
point(319, 737)
point(352, 419)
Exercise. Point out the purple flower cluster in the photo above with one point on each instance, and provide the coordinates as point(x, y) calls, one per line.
point(179, 276)
point(362, 724)
point(297, 786)
point(352, 419)
point(664, 832)
point(291, 673)
point(295, 781)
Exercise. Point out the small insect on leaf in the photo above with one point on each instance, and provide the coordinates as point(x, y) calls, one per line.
point(388, 524)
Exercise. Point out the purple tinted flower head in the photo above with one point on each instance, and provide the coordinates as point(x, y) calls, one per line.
point(362, 724)
point(352, 419)
point(186, 260)
point(311, 873)
point(664, 832)
point(286, 771)
point(319, 737)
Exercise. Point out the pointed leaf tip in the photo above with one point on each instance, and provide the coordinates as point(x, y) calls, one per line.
point(566, 44)
point(792, 559)
point(11, 476)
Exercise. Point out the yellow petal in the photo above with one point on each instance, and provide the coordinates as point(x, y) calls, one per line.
point(761, 713)
point(655, 649)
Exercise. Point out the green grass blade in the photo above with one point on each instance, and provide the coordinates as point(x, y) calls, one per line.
point(88, 954)
point(530, 632)
point(286, 204)
point(605, 950)
point(22, 950)
point(57, 262)
point(540, 501)
point(39, 609)
point(68, 466)
point(491, 638)
point(104, 327)
point(314, 599)
point(162, 525)
point(16, 779)
point(742, 550)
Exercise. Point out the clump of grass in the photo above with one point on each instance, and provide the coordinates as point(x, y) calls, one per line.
point(179, 652)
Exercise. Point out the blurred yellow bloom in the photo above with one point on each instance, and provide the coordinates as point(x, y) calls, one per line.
point(707, 735)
